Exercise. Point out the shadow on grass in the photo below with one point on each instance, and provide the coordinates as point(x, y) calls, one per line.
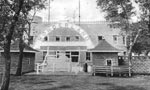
point(112, 86)
point(107, 84)
point(39, 82)
point(59, 88)
point(125, 88)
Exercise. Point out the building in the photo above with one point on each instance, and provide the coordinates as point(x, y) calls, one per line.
point(67, 45)
point(28, 62)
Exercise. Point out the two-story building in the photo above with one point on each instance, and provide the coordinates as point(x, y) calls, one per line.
point(75, 44)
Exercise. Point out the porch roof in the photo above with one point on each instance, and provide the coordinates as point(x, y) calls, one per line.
point(104, 46)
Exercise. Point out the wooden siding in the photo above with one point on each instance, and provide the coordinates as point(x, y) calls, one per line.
point(28, 62)
point(99, 58)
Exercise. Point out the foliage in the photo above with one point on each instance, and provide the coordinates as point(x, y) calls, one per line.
point(13, 15)
point(7, 11)
point(120, 13)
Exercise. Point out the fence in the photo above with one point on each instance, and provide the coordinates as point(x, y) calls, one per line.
point(140, 64)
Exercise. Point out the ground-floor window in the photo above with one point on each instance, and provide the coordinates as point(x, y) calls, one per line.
point(121, 61)
point(109, 62)
point(72, 55)
point(88, 56)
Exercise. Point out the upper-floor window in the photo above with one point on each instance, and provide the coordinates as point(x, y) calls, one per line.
point(77, 38)
point(67, 38)
point(100, 37)
point(115, 38)
point(57, 38)
point(45, 38)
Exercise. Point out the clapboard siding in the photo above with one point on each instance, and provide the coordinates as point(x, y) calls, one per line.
point(28, 62)
point(99, 58)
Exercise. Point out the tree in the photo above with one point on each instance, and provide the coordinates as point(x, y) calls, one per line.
point(120, 13)
point(26, 20)
point(144, 39)
point(12, 12)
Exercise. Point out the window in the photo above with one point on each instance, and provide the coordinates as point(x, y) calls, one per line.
point(68, 54)
point(77, 38)
point(75, 56)
point(88, 56)
point(57, 54)
point(115, 38)
point(100, 37)
point(45, 38)
point(74, 53)
point(28, 61)
point(109, 62)
point(121, 61)
point(57, 38)
point(67, 38)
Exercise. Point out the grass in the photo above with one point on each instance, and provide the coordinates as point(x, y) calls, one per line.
point(81, 82)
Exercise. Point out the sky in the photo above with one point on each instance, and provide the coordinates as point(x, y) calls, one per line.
point(69, 10)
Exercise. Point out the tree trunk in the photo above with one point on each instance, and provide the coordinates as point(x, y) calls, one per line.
point(131, 46)
point(21, 48)
point(7, 58)
point(7, 42)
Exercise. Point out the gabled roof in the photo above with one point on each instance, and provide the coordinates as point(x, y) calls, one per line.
point(104, 46)
point(15, 48)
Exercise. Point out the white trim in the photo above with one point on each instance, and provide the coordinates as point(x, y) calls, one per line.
point(104, 51)
point(58, 43)
point(64, 50)
point(110, 60)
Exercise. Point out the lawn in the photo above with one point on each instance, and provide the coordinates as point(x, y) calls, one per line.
point(80, 82)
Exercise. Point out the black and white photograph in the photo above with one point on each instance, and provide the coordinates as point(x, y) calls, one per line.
point(74, 44)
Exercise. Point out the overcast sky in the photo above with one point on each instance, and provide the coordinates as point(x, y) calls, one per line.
point(68, 9)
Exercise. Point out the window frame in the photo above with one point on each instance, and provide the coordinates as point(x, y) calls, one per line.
point(115, 39)
point(28, 61)
point(107, 62)
point(100, 38)
point(77, 38)
point(58, 38)
point(88, 56)
point(68, 38)
point(45, 38)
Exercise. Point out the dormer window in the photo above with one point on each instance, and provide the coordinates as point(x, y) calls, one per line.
point(115, 38)
point(100, 38)
point(57, 38)
point(68, 38)
point(45, 38)
point(77, 38)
